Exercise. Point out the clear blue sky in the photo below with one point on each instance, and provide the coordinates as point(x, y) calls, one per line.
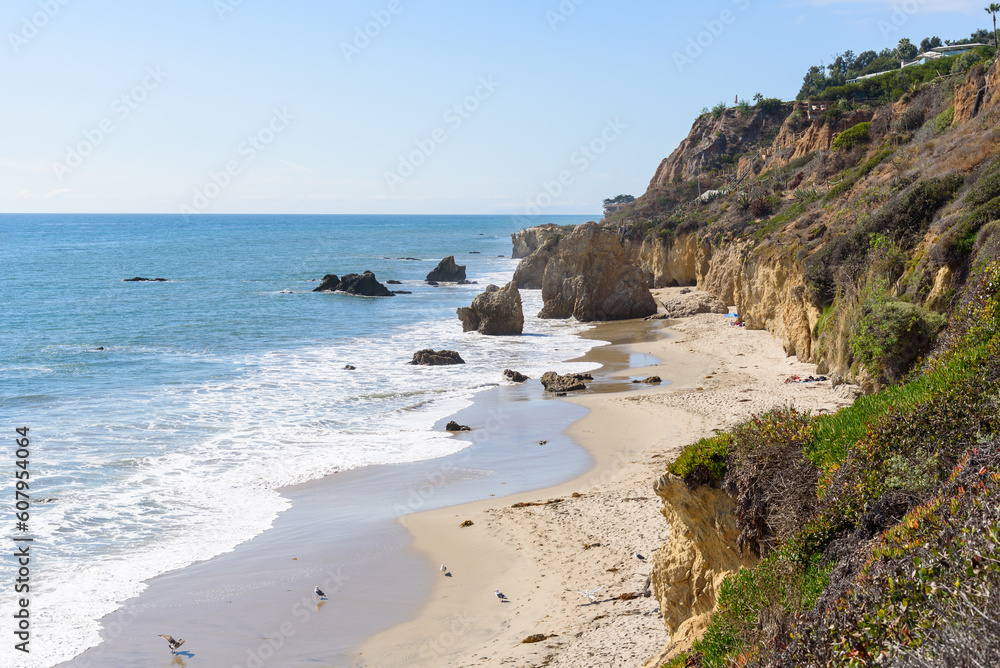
point(140, 103)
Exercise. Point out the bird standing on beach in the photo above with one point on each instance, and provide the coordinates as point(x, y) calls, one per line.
point(444, 569)
point(590, 594)
point(638, 556)
point(174, 644)
point(499, 595)
point(319, 592)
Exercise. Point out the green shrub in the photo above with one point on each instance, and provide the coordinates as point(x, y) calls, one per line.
point(703, 462)
point(892, 334)
point(854, 136)
point(944, 120)
point(718, 110)
point(744, 109)
point(779, 221)
point(743, 201)
point(770, 105)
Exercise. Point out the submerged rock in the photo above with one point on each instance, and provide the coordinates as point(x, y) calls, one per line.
point(429, 357)
point(591, 278)
point(447, 271)
point(140, 279)
point(652, 380)
point(454, 426)
point(570, 382)
point(494, 312)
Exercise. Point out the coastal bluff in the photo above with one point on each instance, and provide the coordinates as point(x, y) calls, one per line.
point(586, 275)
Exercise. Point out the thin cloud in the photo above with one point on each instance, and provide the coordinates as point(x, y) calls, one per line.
point(55, 193)
point(299, 168)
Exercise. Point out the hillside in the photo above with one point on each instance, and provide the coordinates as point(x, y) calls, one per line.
point(865, 235)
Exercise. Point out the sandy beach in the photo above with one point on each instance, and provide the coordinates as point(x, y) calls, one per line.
point(374, 538)
point(582, 534)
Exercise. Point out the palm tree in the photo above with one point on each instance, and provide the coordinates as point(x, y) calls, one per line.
point(992, 10)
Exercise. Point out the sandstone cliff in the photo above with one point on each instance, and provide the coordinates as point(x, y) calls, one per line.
point(591, 278)
point(689, 569)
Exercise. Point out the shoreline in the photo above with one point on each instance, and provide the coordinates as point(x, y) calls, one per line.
point(538, 555)
point(341, 533)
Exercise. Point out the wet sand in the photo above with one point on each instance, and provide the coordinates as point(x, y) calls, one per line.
point(255, 606)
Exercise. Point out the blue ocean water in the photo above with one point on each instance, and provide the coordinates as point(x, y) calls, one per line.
point(218, 387)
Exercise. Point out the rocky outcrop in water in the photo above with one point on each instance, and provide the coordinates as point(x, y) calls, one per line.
point(569, 382)
point(514, 376)
point(140, 279)
point(454, 426)
point(447, 271)
point(429, 357)
point(362, 285)
point(530, 239)
point(531, 270)
point(494, 312)
point(591, 278)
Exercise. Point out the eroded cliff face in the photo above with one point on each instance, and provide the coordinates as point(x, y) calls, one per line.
point(689, 568)
point(710, 139)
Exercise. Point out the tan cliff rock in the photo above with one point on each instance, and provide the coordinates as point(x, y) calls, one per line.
point(700, 553)
point(494, 312)
point(591, 278)
point(527, 241)
point(531, 270)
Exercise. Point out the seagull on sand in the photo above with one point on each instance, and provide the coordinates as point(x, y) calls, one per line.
point(638, 556)
point(174, 644)
point(319, 592)
point(500, 596)
point(444, 569)
point(590, 594)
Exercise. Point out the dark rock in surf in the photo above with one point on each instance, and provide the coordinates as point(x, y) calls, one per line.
point(454, 426)
point(447, 271)
point(428, 357)
point(514, 376)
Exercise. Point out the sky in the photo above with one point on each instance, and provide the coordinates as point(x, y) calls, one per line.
point(519, 107)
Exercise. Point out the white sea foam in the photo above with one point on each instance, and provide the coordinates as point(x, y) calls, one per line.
point(201, 464)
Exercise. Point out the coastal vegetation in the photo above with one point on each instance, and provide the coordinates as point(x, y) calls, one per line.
point(874, 530)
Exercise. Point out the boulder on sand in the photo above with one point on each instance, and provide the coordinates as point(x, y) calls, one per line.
point(590, 278)
point(693, 302)
point(447, 271)
point(494, 312)
point(430, 357)
point(570, 382)
point(454, 426)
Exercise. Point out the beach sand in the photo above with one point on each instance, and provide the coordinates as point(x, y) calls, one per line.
point(254, 606)
point(584, 533)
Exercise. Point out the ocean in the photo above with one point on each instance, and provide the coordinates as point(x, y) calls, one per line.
point(164, 417)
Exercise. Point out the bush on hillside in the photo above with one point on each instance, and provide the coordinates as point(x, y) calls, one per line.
point(852, 137)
